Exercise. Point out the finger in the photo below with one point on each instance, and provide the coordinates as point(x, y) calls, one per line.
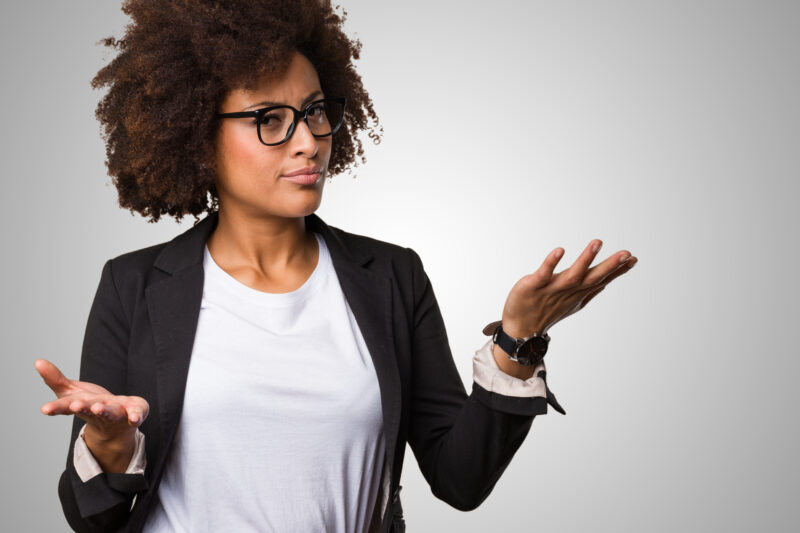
point(110, 409)
point(78, 402)
point(55, 408)
point(61, 406)
point(101, 413)
point(576, 273)
point(90, 412)
point(545, 271)
point(104, 412)
point(120, 408)
point(141, 405)
point(53, 377)
point(598, 274)
point(138, 409)
point(135, 410)
point(135, 415)
point(87, 407)
point(622, 269)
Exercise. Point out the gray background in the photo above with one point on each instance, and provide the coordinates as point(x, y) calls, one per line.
point(666, 128)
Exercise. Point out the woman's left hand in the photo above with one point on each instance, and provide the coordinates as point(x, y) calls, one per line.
point(541, 299)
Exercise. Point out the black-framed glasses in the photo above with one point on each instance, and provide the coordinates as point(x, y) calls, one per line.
point(277, 123)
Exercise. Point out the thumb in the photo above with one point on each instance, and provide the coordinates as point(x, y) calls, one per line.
point(52, 376)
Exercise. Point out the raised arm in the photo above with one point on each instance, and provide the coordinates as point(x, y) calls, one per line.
point(462, 443)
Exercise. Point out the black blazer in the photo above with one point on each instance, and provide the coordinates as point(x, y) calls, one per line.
point(138, 342)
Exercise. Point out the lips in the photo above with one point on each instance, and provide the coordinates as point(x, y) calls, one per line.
point(304, 179)
point(304, 171)
point(304, 176)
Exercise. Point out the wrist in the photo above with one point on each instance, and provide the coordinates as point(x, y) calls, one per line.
point(512, 368)
point(116, 440)
point(113, 453)
point(523, 346)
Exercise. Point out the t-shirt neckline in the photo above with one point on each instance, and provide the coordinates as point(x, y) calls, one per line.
point(271, 299)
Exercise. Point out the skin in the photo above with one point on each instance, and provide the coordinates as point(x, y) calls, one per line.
point(261, 240)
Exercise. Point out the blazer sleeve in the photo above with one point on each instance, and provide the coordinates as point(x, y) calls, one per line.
point(462, 443)
point(102, 503)
point(495, 385)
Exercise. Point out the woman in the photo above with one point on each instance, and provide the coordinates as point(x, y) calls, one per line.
point(263, 371)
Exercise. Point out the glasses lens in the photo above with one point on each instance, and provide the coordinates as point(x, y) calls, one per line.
point(325, 116)
point(275, 124)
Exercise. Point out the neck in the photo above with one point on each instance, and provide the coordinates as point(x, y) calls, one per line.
point(264, 244)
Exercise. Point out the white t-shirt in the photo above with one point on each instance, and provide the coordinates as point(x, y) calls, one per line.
point(281, 428)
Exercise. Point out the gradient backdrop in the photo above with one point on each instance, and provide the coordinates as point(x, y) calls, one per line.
point(670, 129)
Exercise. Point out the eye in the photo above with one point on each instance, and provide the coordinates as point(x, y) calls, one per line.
point(316, 109)
point(269, 121)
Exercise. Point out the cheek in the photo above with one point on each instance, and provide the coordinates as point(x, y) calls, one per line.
point(243, 157)
point(324, 153)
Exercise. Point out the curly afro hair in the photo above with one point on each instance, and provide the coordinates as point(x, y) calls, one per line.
point(177, 61)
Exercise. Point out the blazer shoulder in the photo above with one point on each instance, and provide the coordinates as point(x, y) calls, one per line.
point(380, 249)
point(132, 272)
point(136, 261)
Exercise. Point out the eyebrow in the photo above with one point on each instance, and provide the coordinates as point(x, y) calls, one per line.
point(267, 103)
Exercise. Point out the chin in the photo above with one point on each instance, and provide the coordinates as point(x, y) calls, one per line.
point(305, 208)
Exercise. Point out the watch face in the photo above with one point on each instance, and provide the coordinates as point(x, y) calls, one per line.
point(532, 350)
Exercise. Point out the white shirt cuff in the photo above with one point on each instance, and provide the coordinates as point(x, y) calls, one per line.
point(87, 466)
point(489, 376)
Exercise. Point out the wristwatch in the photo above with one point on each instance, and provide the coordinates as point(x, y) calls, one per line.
point(524, 350)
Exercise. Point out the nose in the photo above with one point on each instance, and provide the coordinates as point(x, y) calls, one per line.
point(302, 140)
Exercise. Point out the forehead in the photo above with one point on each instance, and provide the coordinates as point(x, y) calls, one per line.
point(289, 87)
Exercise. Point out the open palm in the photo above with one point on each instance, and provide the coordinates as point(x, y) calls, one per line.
point(109, 414)
point(541, 299)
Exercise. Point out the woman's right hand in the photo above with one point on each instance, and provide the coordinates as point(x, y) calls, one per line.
point(111, 419)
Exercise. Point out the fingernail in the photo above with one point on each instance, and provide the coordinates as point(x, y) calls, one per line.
point(597, 246)
point(624, 258)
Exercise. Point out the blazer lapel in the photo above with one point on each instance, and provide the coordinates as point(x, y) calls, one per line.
point(174, 307)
